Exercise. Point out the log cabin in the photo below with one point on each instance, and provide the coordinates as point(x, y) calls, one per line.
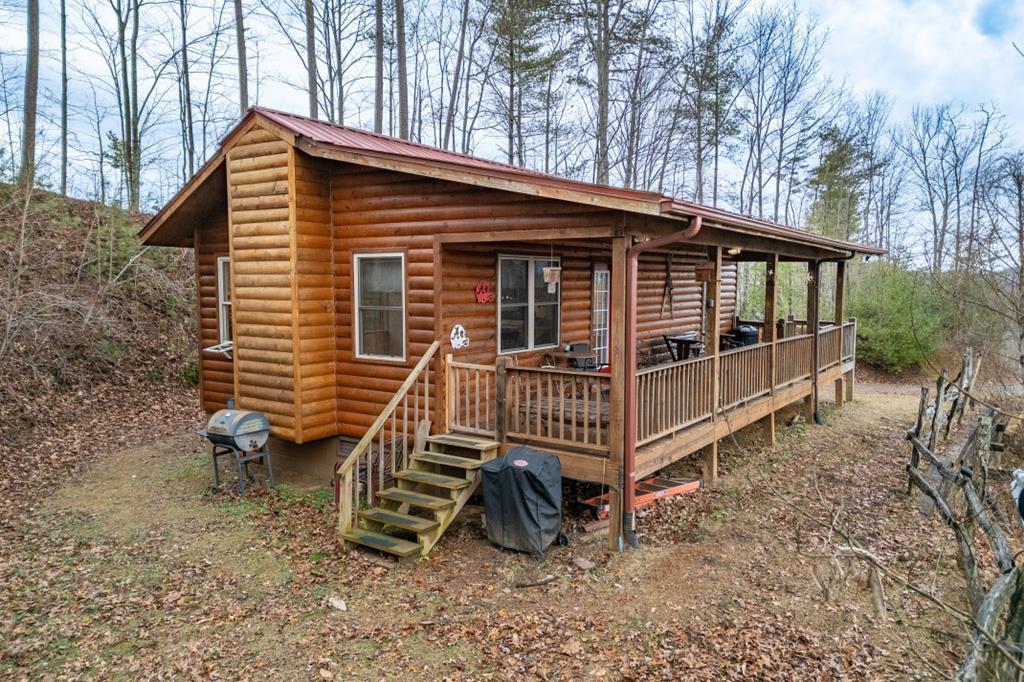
point(403, 313)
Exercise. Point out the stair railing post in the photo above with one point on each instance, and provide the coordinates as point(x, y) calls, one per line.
point(500, 398)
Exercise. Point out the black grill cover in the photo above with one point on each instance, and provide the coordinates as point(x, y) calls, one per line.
point(523, 499)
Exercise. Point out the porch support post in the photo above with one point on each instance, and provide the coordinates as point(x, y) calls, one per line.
point(813, 311)
point(714, 310)
point(618, 357)
point(838, 317)
point(770, 270)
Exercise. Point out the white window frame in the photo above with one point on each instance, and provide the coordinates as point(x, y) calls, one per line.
point(531, 304)
point(601, 314)
point(224, 328)
point(357, 341)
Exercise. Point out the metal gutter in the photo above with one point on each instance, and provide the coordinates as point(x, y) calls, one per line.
point(629, 451)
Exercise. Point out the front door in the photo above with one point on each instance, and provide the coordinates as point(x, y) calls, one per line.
point(600, 313)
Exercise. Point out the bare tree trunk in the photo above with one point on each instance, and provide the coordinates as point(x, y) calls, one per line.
point(63, 98)
point(27, 172)
point(243, 69)
point(449, 122)
point(186, 88)
point(602, 55)
point(378, 67)
point(311, 60)
point(403, 71)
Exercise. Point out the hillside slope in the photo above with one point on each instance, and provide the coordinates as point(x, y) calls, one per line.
point(97, 338)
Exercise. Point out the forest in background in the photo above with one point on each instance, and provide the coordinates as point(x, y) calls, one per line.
point(725, 102)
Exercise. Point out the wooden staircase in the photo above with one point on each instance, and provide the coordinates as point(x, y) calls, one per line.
point(410, 517)
point(430, 477)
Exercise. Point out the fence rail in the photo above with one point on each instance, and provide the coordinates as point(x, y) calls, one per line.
point(563, 407)
point(830, 347)
point(671, 397)
point(849, 340)
point(558, 407)
point(745, 374)
point(792, 359)
point(471, 397)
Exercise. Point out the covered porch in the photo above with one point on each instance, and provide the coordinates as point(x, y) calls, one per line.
point(641, 406)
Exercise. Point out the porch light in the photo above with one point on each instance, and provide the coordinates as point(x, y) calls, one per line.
point(734, 251)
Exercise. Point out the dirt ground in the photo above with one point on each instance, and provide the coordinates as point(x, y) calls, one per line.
point(134, 570)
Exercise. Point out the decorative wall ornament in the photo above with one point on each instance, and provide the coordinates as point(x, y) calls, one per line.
point(484, 292)
point(459, 338)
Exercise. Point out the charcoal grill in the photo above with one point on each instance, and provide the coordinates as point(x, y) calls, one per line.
point(243, 434)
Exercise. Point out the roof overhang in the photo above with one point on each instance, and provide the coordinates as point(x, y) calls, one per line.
point(174, 223)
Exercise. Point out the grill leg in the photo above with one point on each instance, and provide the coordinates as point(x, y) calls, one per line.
point(238, 470)
point(270, 471)
point(216, 473)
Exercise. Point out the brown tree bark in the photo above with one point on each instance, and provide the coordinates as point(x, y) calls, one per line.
point(27, 172)
point(378, 67)
point(243, 69)
point(403, 71)
point(311, 60)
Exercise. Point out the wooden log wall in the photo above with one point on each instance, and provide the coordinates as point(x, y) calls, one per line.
point(296, 222)
point(313, 299)
point(216, 375)
point(263, 294)
point(376, 210)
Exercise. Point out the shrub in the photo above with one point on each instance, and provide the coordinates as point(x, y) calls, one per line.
point(899, 316)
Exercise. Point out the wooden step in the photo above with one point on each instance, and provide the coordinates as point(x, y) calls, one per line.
point(384, 543)
point(416, 499)
point(437, 480)
point(416, 524)
point(464, 442)
point(447, 460)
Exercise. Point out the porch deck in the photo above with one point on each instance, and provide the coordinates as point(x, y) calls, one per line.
point(567, 411)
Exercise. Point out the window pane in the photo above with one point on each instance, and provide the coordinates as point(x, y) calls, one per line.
point(513, 273)
point(381, 332)
point(513, 328)
point(380, 281)
point(540, 288)
point(545, 325)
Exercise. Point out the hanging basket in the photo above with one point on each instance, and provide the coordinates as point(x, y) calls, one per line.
point(552, 275)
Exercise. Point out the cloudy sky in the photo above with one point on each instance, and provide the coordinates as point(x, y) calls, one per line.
point(928, 51)
point(918, 51)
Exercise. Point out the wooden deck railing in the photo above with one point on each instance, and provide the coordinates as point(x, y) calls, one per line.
point(672, 397)
point(849, 340)
point(387, 444)
point(558, 407)
point(792, 359)
point(745, 374)
point(830, 347)
point(471, 397)
point(569, 408)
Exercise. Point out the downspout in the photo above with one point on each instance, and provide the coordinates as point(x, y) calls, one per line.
point(629, 451)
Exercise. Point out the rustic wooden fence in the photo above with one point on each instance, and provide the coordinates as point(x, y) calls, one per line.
point(745, 374)
point(955, 480)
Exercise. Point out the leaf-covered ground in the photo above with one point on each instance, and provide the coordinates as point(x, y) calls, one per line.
point(133, 570)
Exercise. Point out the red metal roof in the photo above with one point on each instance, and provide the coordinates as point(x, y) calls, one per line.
point(323, 135)
point(352, 139)
point(362, 140)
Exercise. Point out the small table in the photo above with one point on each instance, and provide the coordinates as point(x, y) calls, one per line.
point(685, 344)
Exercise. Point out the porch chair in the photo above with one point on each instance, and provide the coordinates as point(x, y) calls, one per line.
point(585, 364)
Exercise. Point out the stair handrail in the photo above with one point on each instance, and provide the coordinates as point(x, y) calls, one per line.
point(345, 481)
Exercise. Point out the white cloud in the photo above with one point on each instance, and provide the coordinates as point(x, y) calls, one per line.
point(927, 51)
